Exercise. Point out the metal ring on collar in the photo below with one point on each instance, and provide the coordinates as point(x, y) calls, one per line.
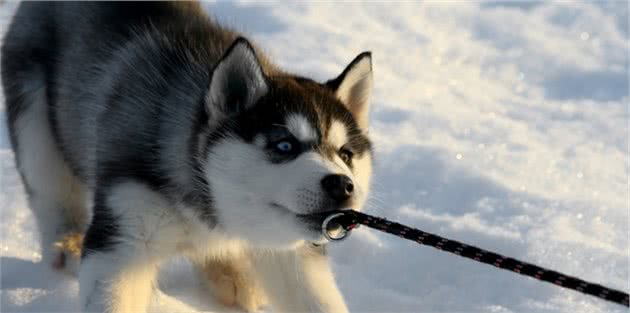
point(328, 233)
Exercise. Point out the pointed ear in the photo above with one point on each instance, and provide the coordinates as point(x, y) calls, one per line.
point(354, 87)
point(237, 81)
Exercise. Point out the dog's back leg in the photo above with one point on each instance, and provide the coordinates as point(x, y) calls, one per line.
point(55, 195)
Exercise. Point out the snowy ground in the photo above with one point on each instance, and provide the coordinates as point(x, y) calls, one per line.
point(504, 125)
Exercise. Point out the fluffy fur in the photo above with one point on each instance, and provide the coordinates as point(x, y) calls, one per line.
point(146, 130)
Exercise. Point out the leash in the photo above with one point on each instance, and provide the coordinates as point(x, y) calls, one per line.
point(337, 226)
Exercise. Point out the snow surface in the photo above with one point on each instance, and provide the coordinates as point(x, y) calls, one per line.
point(501, 124)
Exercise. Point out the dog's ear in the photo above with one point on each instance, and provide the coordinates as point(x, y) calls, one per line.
point(237, 80)
point(354, 87)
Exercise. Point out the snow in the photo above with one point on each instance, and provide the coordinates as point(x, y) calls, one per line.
point(500, 124)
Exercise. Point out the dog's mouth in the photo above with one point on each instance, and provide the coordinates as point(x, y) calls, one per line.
point(313, 221)
point(316, 218)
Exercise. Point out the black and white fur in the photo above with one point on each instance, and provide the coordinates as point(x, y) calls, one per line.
point(156, 132)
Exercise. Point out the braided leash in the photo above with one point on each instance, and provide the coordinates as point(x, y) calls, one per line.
point(349, 220)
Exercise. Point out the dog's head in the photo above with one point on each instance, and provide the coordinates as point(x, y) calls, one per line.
point(286, 149)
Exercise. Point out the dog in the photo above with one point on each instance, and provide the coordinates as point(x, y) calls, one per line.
point(143, 131)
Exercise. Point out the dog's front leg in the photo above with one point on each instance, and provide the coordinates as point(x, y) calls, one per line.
point(132, 230)
point(114, 282)
point(299, 280)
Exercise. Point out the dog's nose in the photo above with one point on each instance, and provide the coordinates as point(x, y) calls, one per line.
point(338, 187)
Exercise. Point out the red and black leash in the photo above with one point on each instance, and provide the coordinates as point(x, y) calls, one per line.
point(349, 220)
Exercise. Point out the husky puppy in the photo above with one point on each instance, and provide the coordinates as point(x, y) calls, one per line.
point(145, 130)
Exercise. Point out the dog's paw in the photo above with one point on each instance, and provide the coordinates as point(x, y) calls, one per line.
point(233, 291)
point(67, 253)
point(233, 284)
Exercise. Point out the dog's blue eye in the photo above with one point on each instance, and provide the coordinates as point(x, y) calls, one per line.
point(284, 146)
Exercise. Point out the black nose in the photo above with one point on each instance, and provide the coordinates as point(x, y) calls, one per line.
point(338, 187)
